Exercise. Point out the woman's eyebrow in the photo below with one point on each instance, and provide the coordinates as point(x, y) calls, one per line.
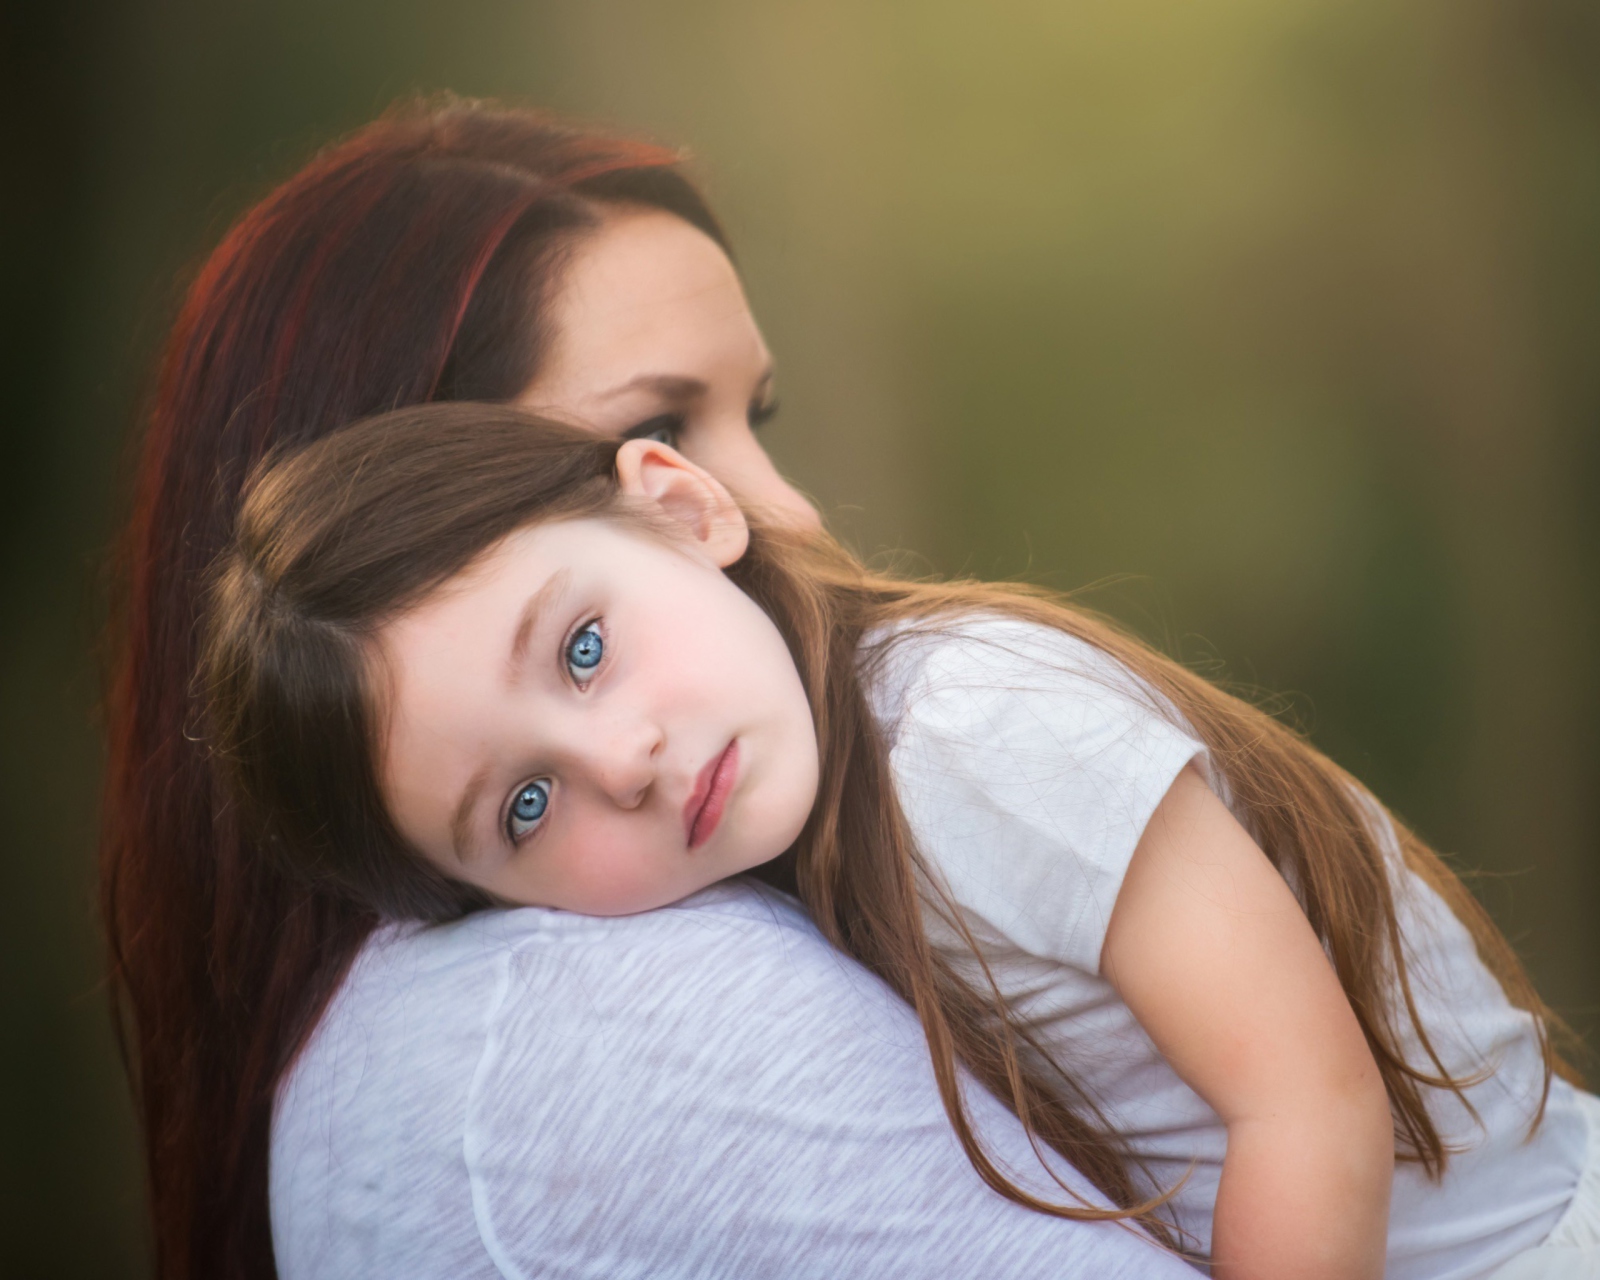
point(555, 586)
point(672, 386)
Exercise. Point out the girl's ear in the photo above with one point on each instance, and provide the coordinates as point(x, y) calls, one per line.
point(691, 497)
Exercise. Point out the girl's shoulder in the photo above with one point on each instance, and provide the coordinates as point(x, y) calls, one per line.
point(982, 668)
point(1027, 762)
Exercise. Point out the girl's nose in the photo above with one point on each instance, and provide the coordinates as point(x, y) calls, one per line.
point(625, 761)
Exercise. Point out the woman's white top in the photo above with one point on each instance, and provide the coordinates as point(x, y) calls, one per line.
point(705, 1091)
point(1028, 763)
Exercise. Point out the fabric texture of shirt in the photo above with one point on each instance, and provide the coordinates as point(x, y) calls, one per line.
point(1028, 763)
point(704, 1091)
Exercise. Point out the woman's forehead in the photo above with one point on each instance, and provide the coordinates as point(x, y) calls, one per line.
point(647, 296)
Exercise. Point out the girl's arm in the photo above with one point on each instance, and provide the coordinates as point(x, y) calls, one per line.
point(1209, 948)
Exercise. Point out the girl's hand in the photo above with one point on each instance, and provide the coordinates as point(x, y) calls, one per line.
point(1210, 949)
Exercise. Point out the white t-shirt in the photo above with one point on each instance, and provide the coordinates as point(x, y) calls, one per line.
point(1028, 764)
point(704, 1091)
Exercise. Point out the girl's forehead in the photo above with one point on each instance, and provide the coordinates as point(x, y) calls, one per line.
point(532, 557)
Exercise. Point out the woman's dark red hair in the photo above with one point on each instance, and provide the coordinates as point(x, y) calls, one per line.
point(407, 263)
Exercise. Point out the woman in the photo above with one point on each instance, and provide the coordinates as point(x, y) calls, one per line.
point(450, 252)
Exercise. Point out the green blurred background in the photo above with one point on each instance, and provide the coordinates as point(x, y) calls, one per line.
point(1276, 323)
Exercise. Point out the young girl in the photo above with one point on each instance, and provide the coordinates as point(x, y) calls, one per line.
point(457, 656)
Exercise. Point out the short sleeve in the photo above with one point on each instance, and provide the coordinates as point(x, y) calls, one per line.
point(1028, 764)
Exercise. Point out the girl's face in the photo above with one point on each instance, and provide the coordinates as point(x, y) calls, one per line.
point(594, 717)
point(652, 338)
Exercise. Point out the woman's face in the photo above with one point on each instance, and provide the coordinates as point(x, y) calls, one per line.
point(652, 337)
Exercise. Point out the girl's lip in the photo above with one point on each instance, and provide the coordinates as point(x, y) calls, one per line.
point(703, 810)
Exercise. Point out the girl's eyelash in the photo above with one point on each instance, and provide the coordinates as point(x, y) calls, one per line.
point(761, 414)
point(588, 658)
point(537, 792)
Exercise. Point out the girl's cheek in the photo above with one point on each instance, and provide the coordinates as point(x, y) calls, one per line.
point(620, 894)
point(603, 871)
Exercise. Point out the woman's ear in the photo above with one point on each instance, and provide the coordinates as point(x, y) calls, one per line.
point(691, 497)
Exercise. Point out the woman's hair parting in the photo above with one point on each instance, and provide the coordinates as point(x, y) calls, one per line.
point(413, 261)
point(346, 534)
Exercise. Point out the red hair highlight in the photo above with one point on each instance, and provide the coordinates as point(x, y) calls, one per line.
point(403, 264)
point(486, 252)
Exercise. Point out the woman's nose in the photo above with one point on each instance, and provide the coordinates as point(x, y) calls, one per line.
point(757, 481)
point(625, 761)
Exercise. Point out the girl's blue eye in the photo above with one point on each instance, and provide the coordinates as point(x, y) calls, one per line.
point(585, 650)
point(527, 807)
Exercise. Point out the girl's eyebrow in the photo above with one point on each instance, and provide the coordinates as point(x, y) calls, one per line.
point(555, 586)
point(461, 820)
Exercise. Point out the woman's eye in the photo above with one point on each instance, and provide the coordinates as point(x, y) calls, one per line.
point(584, 652)
point(761, 414)
point(666, 428)
point(527, 807)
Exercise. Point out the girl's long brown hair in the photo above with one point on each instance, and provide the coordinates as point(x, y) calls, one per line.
point(340, 538)
point(410, 262)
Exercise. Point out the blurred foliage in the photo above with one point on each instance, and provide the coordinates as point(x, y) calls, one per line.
point(1276, 326)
